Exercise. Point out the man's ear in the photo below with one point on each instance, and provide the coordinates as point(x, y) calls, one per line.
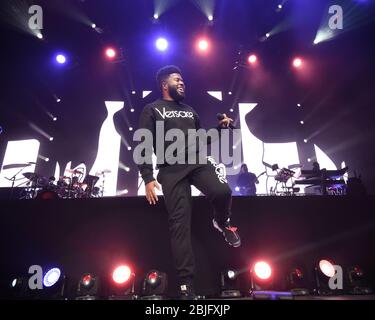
point(164, 84)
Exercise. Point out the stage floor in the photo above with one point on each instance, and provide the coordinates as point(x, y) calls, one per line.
point(93, 235)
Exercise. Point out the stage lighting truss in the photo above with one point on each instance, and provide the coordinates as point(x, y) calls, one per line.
point(154, 286)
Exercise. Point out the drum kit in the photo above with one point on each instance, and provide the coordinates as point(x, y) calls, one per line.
point(67, 187)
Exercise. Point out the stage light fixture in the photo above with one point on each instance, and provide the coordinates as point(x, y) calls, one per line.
point(110, 53)
point(268, 35)
point(252, 59)
point(298, 105)
point(230, 93)
point(161, 44)
point(54, 118)
point(297, 281)
point(129, 148)
point(58, 100)
point(130, 128)
point(132, 110)
point(358, 284)
point(19, 288)
point(203, 45)
point(61, 59)
point(261, 276)
point(51, 277)
point(93, 25)
point(156, 16)
point(155, 285)
point(54, 282)
point(229, 284)
point(39, 35)
point(231, 110)
point(122, 283)
point(237, 188)
point(50, 138)
point(88, 287)
point(302, 122)
point(305, 140)
point(297, 62)
point(324, 270)
point(133, 92)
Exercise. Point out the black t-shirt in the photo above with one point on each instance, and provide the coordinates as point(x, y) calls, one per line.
point(246, 180)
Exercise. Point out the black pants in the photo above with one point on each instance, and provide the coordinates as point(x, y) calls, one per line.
point(176, 183)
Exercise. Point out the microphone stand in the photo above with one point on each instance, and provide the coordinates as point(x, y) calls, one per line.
point(13, 179)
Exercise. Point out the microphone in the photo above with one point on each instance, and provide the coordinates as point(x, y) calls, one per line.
point(220, 117)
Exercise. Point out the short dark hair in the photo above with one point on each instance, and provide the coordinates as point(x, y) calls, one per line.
point(165, 72)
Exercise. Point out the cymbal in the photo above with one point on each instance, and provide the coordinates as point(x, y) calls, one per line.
point(98, 173)
point(16, 165)
point(295, 166)
point(31, 175)
point(74, 171)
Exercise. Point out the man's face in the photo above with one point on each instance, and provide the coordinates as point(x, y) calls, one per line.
point(176, 87)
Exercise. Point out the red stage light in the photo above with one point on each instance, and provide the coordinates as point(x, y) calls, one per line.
point(252, 59)
point(203, 45)
point(121, 274)
point(110, 53)
point(298, 273)
point(297, 62)
point(153, 276)
point(86, 279)
point(262, 270)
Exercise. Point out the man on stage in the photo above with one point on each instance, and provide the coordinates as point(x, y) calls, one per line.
point(176, 179)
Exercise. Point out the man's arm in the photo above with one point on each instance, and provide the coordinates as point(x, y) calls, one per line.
point(147, 121)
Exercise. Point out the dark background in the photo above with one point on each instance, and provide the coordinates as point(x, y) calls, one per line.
point(335, 89)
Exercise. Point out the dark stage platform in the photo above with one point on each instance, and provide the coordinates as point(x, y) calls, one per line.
point(94, 235)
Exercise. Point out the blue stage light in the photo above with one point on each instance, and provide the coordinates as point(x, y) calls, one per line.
point(60, 58)
point(162, 44)
point(51, 277)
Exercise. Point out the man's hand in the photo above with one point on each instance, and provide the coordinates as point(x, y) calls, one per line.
point(226, 121)
point(151, 196)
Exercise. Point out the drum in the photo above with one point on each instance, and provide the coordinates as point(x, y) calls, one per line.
point(45, 194)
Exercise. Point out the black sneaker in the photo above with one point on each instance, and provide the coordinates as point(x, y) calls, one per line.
point(229, 232)
point(187, 292)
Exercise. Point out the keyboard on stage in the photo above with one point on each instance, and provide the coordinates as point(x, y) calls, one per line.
point(322, 178)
